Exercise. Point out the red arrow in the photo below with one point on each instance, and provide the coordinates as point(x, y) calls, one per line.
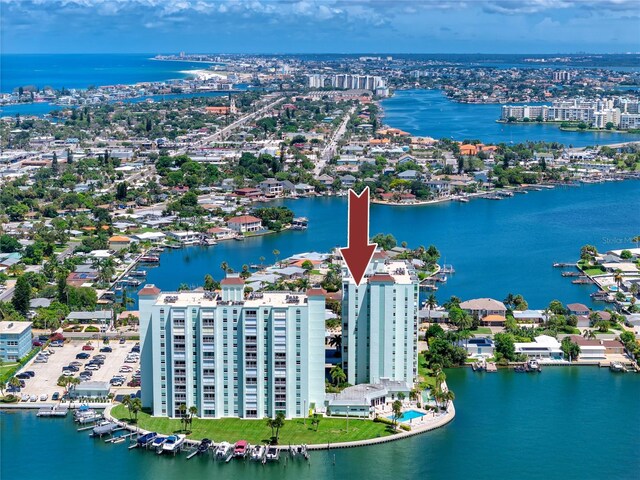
point(359, 252)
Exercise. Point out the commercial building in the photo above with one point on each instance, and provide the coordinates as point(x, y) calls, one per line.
point(231, 356)
point(15, 340)
point(380, 323)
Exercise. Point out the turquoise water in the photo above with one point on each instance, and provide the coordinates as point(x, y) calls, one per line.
point(430, 113)
point(496, 247)
point(82, 70)
point(577, 423)
point(408, 416)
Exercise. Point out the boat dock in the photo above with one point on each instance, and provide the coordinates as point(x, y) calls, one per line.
point(54, 411)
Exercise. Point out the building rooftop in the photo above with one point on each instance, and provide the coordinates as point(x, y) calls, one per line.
point(212, 299)
point(15, 328)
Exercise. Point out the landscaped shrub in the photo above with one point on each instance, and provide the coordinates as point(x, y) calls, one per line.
point(9, 399)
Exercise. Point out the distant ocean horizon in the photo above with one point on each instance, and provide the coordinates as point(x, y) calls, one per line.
point(80, 70)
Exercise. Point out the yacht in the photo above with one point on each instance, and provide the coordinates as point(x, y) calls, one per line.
point(224, 450)
point(617, 367)
point(258, 452)
point(205, 444)
point(158, 441)
point(146, 439)
point(533, 366)
point(273, 454)
point(173, 443)
point(241, 448)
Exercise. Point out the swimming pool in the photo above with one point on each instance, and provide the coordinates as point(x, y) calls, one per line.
point(408, 416)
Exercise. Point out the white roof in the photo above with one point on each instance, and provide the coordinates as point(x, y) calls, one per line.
point(15, 328)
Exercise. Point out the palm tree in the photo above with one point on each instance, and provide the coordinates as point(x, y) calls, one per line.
point(617, 276)
point(126, 402)
point(14, 383)
point(262, 259)
point(193, 410)
point(183, 414)
point(136, 406)
point(336, 341)
point(278, 423)
point(276, 252)
point(224, 266)
point(271, 423)
point(3, 385)
point(448, 396)
point(337, 375)
point(431, 303)
point(509, 301)
point(396, 407)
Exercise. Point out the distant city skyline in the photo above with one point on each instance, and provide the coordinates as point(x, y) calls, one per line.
point(317, 26)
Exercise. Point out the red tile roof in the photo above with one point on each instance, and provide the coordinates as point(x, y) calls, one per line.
point(316, 292)
point(232, 281)
point(381, 278)
point(150, 290)
point(244, 219)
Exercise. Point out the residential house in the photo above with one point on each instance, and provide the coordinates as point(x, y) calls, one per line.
point(245, 224)
point(543, 347)
point(271, 187)
point(490, 312)
point(348, 180)
point(119, 242)
point(578, 309)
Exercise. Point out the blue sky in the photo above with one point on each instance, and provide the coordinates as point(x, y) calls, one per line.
point(320, 26)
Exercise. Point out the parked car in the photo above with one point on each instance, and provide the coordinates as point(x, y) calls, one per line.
point(126, 369)
point(133, 383)
point(97, 361)
point(43, 338)
point(76, 364)
point(33, 398)
point(92, 366)
point(71, 368)
point(25, 397)
point(37, 343)
point(88, 347)
point(116, 382)
point(44, 397)
point(106, 349)
point(55, 396)
point(31, 373)
point(23, 376)
point(135, 349)
point(122, 340)
point(82, 356)
point(67, 373)
point(57, 343)
point(41, 360)
point(100, 357)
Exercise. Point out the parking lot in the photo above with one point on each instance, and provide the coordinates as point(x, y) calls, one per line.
point(47, 374)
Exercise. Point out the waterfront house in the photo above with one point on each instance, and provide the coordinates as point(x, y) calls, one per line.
point(529, 316)
point(185, 238)
point(408, 175)
point(348, 180)
point(543, 347)
point(490, 312)
point(271, 187)
point(304, 189)
point(248, 192)
point(119, 242)
point(578, 309)
point(326, 180)
point(15, 340)
point(245, 224)
point(478, 346)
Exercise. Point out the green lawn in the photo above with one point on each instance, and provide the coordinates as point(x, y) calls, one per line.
point(481, 331)
point(7, 368)
point(330, 430)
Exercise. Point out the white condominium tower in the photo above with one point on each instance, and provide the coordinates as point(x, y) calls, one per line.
point(380, 323)
point(231, 356)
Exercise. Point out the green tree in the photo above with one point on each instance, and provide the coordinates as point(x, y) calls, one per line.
point(505, 345)
point(21, 295)
point(396, 408)
point(570, 349)
point(209, 283)
point(337, 375)
point(8, 244)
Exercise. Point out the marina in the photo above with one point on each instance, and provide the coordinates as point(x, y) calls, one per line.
point(469, 429)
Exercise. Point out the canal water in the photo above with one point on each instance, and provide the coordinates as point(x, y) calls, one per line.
point(496, 247)
point(431, 113)
point(566, 422)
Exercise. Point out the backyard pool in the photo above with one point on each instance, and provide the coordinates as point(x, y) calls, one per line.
point(408, 416)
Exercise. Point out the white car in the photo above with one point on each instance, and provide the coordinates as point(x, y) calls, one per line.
point(92, 366)
point(33, 398)
point(67, 373)
point(24, 397)
point(126, 369)
point(41, 360)
point(44, 397)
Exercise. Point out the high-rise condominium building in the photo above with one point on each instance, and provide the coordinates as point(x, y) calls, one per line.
point(380, 323)
point(231, 356)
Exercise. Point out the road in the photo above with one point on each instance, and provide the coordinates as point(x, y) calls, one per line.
point(221, 134)
point(330, 149)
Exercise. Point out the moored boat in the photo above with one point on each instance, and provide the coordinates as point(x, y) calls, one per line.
point(258, 452)
point(205, 444)
point(617, 367)
point(223, 450)
point(146, 439)
point(173, 443)
point(240, 449)
point(273, 454)
point(158, 441)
